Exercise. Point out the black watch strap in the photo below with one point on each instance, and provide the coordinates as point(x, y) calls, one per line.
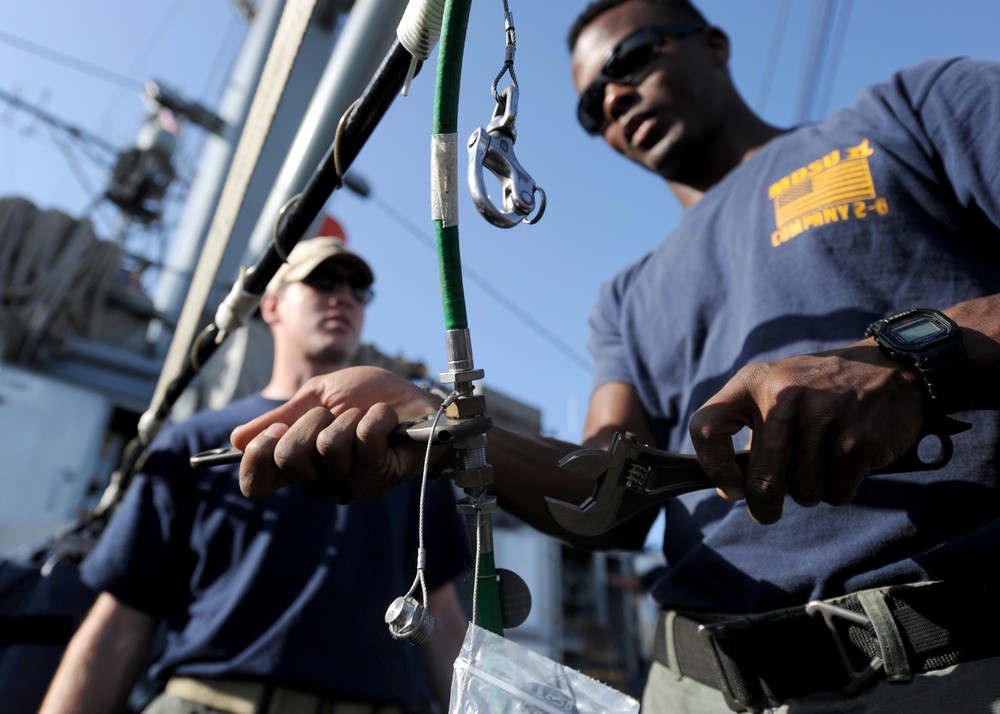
point(931, 343)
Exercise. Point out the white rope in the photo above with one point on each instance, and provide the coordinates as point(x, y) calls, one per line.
point(418, 31)
point(420, 27)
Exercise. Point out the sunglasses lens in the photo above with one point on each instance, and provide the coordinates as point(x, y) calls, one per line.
point(590, 111)
point(332, 282)
point(363, 295)
point(629, 57)
point(324, 282)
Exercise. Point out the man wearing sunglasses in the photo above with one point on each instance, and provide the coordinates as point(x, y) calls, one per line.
point(806, 584)
point(276, 605)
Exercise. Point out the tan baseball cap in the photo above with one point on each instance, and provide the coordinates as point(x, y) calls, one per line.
point(307, 255)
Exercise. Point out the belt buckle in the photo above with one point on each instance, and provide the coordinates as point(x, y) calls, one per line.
point(709, 634)
point(856, 678)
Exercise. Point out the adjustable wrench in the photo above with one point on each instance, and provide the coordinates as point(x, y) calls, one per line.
point(630, 477)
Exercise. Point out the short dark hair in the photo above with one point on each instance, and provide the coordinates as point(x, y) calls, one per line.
point(682, 7)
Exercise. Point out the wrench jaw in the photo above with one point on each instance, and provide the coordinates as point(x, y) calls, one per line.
point(613, 502)
point(628, 478)
point(593, 516)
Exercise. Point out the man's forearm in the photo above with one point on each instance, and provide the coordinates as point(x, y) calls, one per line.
point(102, 661)
point(980, 323)
point(526, 470)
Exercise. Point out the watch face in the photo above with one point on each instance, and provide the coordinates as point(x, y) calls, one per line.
point(916, 331)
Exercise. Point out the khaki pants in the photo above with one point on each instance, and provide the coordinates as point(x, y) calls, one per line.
point(187, 695)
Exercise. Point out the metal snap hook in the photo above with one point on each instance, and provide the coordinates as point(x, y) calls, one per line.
point(492, 148)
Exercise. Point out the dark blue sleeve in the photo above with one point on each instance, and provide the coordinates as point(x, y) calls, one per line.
point(141, 557)
point(957, 108)
point(606, 342)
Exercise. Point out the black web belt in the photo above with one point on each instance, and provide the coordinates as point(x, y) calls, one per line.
point(758, 661)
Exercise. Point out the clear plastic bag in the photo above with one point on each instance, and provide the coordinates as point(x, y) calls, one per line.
point(494, 675)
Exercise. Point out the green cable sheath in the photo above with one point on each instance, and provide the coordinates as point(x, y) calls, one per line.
point(490, 617)
point(446, 89)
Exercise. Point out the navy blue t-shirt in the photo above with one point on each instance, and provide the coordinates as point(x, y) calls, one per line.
point(287, 589)
point(889, 204)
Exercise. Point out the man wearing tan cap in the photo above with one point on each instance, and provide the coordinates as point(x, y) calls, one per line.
point(275, 605)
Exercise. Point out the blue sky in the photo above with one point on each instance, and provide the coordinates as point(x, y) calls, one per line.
point(529, 288)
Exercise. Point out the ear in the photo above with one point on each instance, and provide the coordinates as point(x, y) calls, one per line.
point(718, 44)
point(269, 308)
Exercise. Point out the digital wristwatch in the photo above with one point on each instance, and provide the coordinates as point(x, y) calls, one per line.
point(930, 342)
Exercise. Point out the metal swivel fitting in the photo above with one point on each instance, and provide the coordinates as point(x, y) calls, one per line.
point(408, 620)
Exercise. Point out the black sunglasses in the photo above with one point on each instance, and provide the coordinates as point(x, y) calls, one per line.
point(330, 281)
point(623, 63)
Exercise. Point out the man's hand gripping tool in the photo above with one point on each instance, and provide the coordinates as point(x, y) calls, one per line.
point(630, 477)
point(493, 148)
point(418, 430)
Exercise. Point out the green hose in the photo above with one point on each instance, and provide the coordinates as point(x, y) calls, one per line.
point(446, 89)
point(490, 616)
